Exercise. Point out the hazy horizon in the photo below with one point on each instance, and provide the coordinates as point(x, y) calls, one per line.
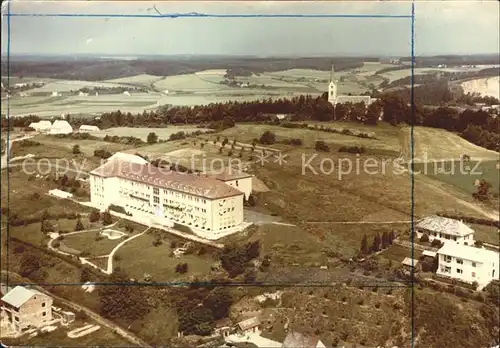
point(441, 28)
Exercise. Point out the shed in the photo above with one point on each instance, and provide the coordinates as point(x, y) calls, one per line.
point(87, 128)
point(300, 340)
point(411, 263)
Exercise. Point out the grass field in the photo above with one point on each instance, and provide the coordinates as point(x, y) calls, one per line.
point(457, 174)
point(438, 144)
point(63, 147)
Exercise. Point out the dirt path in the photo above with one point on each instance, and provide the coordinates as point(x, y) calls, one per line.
point(109, 269)
point(99, 319)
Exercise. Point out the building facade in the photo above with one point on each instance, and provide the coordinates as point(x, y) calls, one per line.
point(24, 308)
point(206, 205)
point(467, 263)
point(445, 229)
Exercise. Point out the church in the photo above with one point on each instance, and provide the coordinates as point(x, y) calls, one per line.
point(335, 99)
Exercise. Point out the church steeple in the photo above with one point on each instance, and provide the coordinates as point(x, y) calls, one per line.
point(332, 74)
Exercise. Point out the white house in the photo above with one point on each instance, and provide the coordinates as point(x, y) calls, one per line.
point(300, 340)
point(127, 93)
point(334, 98)
point(61, 127)
point(23, 308)
point(56, 94)
point(237, 179)
point(445, 229)
point(209, 207)
point(467, 263)
point(87, 129)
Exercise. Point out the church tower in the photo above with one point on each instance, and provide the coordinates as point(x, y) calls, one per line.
point(332, 88)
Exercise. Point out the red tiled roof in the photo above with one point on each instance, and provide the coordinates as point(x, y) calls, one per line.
point(199, 185)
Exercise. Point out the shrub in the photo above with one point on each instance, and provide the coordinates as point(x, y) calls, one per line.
point(436, 243)
point(267, 138)
point(424, 238)
point(321, 146)
point(76, 149)
point(79, 225)
point(94, 216)
point(181, 268)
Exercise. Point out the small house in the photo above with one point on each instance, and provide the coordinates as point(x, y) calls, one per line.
point(409, 264)
point(445, 229)
point(248, 326)
point(25, 308)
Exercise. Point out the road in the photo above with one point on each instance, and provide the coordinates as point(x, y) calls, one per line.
point(91, 314)
point(6, 155)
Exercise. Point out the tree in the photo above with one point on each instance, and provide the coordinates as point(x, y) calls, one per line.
point(181, 268)
point(424, 238)
point(85, 275)
point(251, 201)
point(76, 149)
point(79, 225)
point(225, 141)
point(385, 240)
point(267, 138)
point(94, 216)
point(219, 301)
point(482, 189)
point(152, 138)
point(376, 243)
point(121, 300)
point(46, 226)
point(364, 245)
point(106, 218)
point(31, 267)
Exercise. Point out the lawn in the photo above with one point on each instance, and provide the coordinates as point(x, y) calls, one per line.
point(488, 234)
point(397, 253)
point(87, 242)
point(158, 263)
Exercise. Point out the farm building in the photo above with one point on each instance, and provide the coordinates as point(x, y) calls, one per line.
point(127, 93)
point(86, 129)
point(445, 229)
point(61, 127)
point(209, 207)
point(296, 339)
point(467, 263)
point(56, 94)
point(42, 126)
point(23, 308)
point(409, 264)
point(335, 99)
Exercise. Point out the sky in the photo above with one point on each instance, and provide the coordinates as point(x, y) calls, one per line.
point(441, 27)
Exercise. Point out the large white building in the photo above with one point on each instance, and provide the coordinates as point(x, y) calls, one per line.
point(467, 263)
point(335, 99)
point(209, 207)
point(445, 229)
